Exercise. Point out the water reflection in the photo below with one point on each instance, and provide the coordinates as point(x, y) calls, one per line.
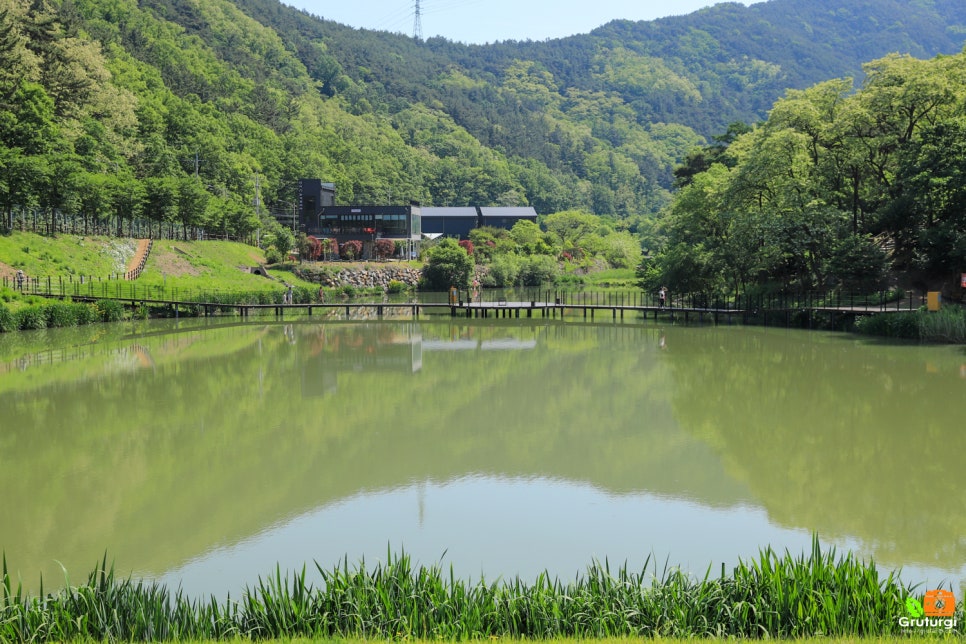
point(205, 453)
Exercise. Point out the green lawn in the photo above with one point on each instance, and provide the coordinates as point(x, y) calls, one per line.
point(64, 255)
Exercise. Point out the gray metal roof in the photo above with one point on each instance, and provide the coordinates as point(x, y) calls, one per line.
point(517, 211)
point(448, 211)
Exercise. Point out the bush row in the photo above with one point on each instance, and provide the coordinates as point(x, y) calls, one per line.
point(51, 315)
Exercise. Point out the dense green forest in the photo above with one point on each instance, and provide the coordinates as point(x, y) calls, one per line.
point(837, 189)
point(134, 117)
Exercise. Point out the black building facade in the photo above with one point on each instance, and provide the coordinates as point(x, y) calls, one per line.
point(320, 217)
point(459, 221)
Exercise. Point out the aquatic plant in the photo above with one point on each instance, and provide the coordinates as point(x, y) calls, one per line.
point(770, 596)
point(946, 325)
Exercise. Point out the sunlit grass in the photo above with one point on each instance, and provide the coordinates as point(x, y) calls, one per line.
point(819, 594)
point(65, 255)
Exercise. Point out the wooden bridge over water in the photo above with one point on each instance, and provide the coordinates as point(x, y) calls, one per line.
point(780, 309)
point(770, 316)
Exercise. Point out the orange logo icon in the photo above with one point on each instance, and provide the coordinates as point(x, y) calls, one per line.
point(939, 603)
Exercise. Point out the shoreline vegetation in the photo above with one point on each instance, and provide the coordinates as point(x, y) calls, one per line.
point(32, 312)
point(780, 596)
point(220, 273)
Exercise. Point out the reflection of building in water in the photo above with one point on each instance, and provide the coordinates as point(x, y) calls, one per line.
point(356, 348)
point(501, 344)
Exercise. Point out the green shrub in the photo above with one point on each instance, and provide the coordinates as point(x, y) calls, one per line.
point(85, 313)
point(448, 265)
point(890, 325)
point(273, 255)
point(7, 321)
point(537, 270)
point(60, 314)
point(503, 271)
point(395, 286)
point(303, 295)
point(110, 310)
point(31, 317)
point(348, 290)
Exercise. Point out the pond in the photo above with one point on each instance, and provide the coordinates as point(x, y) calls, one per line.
point(203, 453)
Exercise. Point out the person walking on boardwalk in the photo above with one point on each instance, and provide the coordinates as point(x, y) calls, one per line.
point(662, 296)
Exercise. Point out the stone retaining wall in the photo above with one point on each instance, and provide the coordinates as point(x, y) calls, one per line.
point(361, 277)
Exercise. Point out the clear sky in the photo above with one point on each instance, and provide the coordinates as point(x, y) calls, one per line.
point(482, 21)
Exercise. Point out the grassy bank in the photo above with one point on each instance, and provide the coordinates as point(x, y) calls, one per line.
point(64, 255)
point(772, 596)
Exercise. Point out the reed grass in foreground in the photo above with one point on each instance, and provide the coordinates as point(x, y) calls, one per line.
point(771, 596)
point(945, 326)
point(905, 639)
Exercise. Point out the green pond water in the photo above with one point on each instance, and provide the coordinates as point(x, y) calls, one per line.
point(202, 453)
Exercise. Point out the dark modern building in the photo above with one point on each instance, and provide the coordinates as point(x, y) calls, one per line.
point(313, 194)
point(456, 221)
point(366, 224)
point(506, 217)
point(459, 221)
point(320, 217)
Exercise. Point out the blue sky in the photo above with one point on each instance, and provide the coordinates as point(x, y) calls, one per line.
point(481, 21)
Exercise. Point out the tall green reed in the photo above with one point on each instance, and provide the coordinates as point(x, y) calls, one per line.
point(818, 593)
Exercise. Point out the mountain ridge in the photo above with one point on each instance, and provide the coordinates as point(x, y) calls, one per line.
point(182, 109)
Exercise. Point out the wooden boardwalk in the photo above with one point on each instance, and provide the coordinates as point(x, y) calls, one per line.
point(782, 310)
point(503, 309)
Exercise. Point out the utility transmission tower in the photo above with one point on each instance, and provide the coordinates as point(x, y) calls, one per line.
point(417, 21)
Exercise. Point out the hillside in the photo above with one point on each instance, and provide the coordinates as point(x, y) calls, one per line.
point(125, 117)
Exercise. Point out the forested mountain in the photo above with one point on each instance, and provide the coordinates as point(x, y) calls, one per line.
point(175, 110)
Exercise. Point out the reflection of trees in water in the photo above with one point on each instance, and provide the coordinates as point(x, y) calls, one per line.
point(845, 438)
point(218, 440)
point(224, 436)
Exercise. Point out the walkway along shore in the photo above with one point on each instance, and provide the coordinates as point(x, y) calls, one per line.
point(775, 316)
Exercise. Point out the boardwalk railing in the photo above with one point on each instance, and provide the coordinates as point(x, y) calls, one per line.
point(122, 287)
point(778, 301)
point(136, 272)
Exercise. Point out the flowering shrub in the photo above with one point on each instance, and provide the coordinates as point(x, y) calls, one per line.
point(351, 249)
point(384, 248)
point(314, 248)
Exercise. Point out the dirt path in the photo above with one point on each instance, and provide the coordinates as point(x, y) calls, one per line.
point(140, 257)
point(7, 271)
